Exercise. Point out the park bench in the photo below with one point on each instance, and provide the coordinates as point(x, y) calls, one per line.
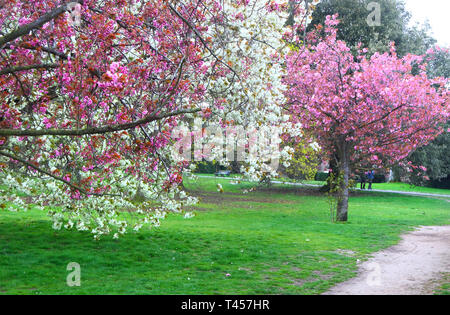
point(223, 173)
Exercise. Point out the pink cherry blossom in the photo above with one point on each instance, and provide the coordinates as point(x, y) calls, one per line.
point(363, 111)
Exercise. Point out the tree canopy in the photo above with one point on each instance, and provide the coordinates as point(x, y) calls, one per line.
point(364, 109)
point(393, 25)
point(93, 91)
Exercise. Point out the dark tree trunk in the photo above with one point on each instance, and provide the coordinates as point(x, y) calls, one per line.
point(344, 167)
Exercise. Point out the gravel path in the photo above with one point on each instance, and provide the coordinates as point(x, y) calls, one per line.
point(412, 267)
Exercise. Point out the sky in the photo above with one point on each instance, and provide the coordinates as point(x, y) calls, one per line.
point(438, 14)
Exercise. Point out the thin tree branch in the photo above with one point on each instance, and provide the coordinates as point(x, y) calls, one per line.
point(48, 50)
point(29, 67)
point(40, 170)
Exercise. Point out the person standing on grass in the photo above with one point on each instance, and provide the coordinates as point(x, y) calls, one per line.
point(362, 178)
point(370, 177)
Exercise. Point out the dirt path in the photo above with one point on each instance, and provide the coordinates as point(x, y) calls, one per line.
point(411, 267)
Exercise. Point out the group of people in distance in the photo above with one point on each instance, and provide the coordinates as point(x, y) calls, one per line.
point(367, 177)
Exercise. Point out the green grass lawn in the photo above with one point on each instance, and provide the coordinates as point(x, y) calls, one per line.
point(276, 240)
point(380, 186)
point(408, 187)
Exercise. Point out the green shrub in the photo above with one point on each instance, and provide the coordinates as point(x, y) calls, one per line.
point(321, 176)
point(205, 167)
point(443, 183)
point(379, 178)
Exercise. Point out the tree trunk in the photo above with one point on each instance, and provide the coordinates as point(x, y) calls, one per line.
point(342, 206)
point(334, 167)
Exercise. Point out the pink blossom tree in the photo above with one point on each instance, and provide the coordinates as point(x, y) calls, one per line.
point(362, 110)
point(90, 92)
point(93, 90)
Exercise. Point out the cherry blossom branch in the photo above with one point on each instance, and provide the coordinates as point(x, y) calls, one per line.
point(42, 171)
point(197, 34)
point(27, 28)
point(29, 67)
point(48, 50)
point(94, 130)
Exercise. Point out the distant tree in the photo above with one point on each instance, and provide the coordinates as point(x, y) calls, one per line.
point(434, 158)
point(393, 27)
point(440, 64)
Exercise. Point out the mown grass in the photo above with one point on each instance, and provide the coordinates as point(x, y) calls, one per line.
point(276, 240)
point(410, 188)
point(444, 287)
point(394, 186)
